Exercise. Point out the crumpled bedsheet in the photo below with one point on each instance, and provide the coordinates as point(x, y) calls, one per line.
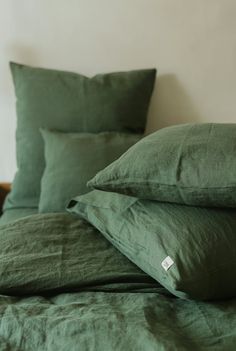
point(103, 302)
point(100, 321)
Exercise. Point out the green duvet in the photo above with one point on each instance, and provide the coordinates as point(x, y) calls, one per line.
point(64, 287)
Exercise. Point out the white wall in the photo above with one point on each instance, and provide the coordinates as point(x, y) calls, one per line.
point(191, 42)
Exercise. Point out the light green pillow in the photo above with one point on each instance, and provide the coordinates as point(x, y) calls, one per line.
point(72, 159)
point(70, 102)
point(192, 164)
point(189, 250)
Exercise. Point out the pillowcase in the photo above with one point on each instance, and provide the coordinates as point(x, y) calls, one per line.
point(189, 250)
point(192, 164)
point(72, 159)
point(70, 102)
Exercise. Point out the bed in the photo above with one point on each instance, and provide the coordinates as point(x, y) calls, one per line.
point(64, 284)
point(132, 313)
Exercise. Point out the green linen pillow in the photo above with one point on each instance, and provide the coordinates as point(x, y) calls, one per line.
point(72, 159)
point(192, 164)
point(191, 251)
point(70, 102)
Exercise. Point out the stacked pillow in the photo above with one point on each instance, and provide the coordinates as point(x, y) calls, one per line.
point(191, 164)
point(74, 158)
point(168, 204)
point(71, 103)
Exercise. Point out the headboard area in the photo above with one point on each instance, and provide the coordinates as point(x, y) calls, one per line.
point(4, 190)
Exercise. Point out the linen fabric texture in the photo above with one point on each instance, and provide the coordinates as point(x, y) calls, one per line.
point(191, 164)
point(74, 158)
point(189, 250)
point(70, 102)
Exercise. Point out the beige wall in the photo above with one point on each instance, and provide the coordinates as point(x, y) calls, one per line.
point(191, 42)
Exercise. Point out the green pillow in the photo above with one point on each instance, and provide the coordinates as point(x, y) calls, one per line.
point(70, 102)
point(73, 159)
point(192, 164)
point(189, 250)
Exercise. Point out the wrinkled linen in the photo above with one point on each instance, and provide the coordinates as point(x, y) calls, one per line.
point(60, 252)
point(98, 321)
point(93, 308)
point(16, 213)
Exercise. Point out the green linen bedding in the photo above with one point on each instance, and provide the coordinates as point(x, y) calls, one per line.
point(70, 102)
point(106, 306)
point(74, 158)
point(190, 164)
point(16, 213)
point(189, 250)
point(51, 253)
point(115, 321)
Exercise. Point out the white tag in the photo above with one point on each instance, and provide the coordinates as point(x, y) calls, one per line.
point(167, 263)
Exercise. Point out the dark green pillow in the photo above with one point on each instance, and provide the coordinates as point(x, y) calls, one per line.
point(73, 159)
point(70, 102)
point(192, 164)
point(189, 250)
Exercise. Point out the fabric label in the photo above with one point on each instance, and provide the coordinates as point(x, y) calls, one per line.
point(167, 263)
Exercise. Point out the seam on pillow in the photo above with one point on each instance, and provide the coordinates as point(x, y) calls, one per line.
point(136, 181)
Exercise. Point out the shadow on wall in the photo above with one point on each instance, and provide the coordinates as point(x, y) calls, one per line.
point(17, 53)
point(171, 104)
point(22, 54)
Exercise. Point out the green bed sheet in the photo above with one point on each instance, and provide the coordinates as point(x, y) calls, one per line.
point(64, 287)
point(16, 213)
point(98, 321)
